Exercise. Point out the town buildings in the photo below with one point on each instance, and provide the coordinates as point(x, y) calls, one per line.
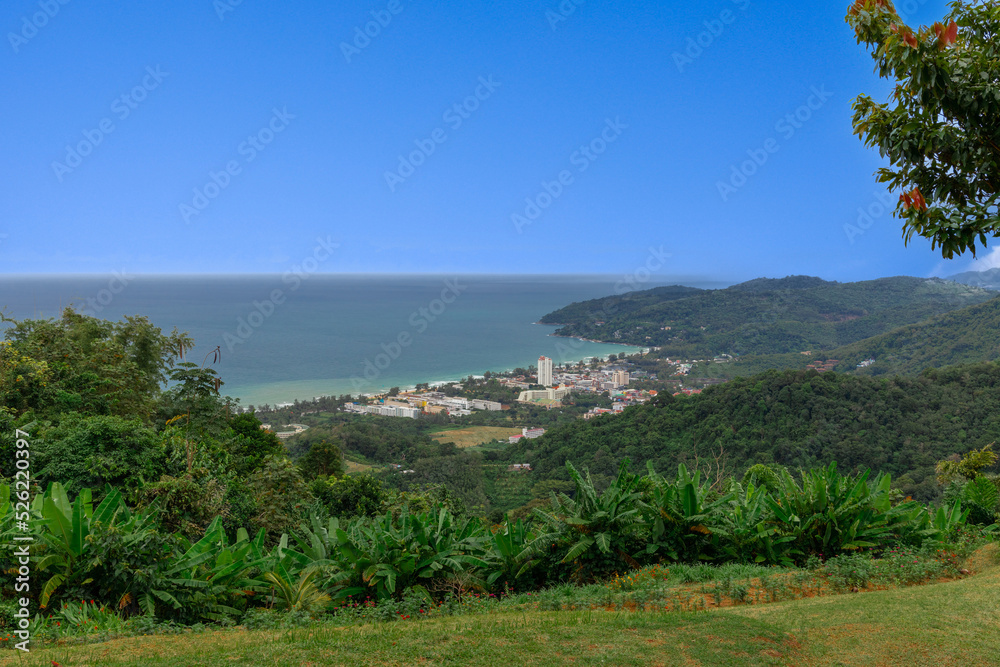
point(383, 410)
point(412, 405)
point(527, 433)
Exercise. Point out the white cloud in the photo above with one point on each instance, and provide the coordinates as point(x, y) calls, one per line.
point(989, 261)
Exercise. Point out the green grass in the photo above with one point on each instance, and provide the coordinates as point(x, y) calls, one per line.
point(472, 436)
point(951, 623)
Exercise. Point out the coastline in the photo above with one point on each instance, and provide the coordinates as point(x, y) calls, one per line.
point(342, 334)
point(338, 385)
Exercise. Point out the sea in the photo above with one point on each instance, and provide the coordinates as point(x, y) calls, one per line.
point(300, 336)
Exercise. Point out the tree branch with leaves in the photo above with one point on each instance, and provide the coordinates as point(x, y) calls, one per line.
point(941, 128)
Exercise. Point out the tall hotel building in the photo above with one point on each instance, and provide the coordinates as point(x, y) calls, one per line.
point(545, 371)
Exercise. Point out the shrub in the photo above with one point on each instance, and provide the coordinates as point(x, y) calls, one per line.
point(282, 496)
point(185, 504)
point(350, 496)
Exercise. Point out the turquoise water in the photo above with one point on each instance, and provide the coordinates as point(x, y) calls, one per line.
point(296, 337)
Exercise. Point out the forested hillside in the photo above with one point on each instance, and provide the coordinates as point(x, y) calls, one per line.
point(965, 336)
point(798, 419)
point(764, 316)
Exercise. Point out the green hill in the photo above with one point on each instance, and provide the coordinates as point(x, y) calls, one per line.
point(597, 310)
point(798, 419)
point(964, 336)
point(763, 316)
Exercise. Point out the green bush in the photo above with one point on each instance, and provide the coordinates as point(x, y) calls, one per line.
point(92, 451)
point(185, 504)
point(350, 496)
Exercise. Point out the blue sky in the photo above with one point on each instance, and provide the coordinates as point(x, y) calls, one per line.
point(212, 137)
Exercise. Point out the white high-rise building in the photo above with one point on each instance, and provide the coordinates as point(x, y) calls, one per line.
point(545, 371)
point(620, 378)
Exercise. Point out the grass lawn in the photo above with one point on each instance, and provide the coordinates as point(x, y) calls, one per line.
point(354, 466)
point(952, 623)
point(475, 435)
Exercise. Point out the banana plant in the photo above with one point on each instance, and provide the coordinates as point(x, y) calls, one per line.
point(594, 533)
point(831, 512)
point(750, 531)
point(66, 527)
point(939, 524)
point(211, 577)
point(505, 547)
point(301, 594)
point(683, 516)
point(390, 555)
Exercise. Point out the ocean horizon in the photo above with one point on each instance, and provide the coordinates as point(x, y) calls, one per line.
point(300, 336)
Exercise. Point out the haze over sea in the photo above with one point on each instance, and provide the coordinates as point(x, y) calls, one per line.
point(326, 335)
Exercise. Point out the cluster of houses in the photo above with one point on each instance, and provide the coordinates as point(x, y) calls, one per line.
point(559, 383)
point(823, 366)
point(284, 435)
point(621, 400)
point(413, 404)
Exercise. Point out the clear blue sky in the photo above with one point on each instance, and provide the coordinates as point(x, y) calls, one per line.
point(199, 78)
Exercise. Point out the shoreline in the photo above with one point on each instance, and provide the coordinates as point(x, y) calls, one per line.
point(434, 383)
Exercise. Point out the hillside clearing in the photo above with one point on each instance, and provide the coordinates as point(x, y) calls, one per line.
point(475, 435)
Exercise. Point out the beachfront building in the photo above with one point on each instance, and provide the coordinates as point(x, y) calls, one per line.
point(384, 410)
point(545, 371)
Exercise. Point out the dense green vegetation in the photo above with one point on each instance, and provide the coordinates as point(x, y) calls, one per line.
point(159, 499)
point(123, 559)
point(939, 624)
point(963, 336)
point(763, 316)
point(799, 419)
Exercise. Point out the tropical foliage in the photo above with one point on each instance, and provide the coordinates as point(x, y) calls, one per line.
point(796, 419)
point(121, 559)
point(178, 508)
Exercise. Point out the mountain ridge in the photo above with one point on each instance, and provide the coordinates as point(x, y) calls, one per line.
point(764, 315)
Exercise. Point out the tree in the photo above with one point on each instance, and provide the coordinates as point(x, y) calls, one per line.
point(282, 495)
point(941, 133)
point(91, 451)
point(350, 496)
point(249, 444)
point(323, 459)
point(195, 401)
point(83, 364)
point(967, 467)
